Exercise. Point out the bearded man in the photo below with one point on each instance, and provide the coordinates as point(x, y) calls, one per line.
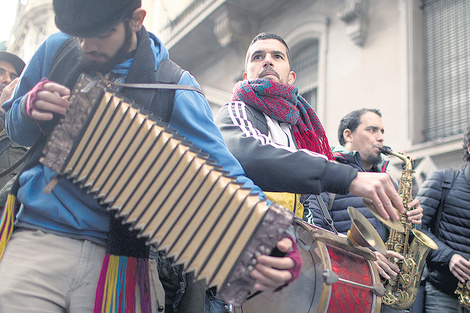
point(62, 241)
point(279, 140)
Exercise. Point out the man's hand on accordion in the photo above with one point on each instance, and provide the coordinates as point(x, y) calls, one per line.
point(46, 99)
point(274, 273)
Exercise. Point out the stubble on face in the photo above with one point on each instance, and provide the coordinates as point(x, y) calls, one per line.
point(267, 59)
point(267, 73)
point(374, 158)
point(111, 61)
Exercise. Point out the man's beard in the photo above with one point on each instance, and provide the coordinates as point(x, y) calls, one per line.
point(374, 159)
point(105, 67)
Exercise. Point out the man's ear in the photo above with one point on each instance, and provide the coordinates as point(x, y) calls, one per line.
point(347, 135)
point(291, 78)
point(137, 19)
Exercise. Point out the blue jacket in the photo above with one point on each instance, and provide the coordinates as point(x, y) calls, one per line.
point(68, 210)
point(453, 231)
point(339, 213)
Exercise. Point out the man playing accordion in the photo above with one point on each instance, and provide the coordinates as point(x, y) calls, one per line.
point(53, 261)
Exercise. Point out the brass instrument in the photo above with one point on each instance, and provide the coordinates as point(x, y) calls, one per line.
point(401, 290)
point(463, 290)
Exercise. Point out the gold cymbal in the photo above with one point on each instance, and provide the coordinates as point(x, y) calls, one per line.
point(362, 232)
point(396, 225)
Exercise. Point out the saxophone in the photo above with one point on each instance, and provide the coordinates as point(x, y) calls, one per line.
point(463, 290)
point(401, 291)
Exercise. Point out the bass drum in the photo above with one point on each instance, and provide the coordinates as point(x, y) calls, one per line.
point(335, 277)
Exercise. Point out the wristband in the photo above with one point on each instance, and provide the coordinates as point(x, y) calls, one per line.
point(33, 96)
point(295, 256)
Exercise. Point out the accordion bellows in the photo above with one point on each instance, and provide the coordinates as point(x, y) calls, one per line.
point(165, 188)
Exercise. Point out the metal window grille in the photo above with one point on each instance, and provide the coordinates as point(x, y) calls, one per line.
point(305, 65)
point(447, 43)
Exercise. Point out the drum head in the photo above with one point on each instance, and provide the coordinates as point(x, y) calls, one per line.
point(303, 295)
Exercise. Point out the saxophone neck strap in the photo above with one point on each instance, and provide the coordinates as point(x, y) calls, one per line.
point(326, 213)
point(448, 180)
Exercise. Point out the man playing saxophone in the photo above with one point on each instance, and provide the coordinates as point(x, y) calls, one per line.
point(361, 135)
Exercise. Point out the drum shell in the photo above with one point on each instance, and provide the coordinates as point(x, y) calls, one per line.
point(310, 293)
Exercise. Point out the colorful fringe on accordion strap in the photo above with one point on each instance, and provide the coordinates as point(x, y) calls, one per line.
point(123, 285)
point(6, 223)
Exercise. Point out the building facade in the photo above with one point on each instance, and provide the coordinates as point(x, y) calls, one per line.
point(408, 58)
point(34, 22)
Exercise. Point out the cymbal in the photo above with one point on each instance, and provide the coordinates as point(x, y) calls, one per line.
point(396, 225)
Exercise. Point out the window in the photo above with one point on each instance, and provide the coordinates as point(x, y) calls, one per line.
point(305, 65)
point(447, 44)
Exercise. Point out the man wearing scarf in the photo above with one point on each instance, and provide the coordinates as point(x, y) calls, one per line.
point(65, 247)
point(278, 139)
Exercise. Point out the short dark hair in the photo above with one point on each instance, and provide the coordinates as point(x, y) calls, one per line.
point(351, 121)
point(264, 36)
point(466, 142)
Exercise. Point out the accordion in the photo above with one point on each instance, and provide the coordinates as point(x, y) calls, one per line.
point(164, 188)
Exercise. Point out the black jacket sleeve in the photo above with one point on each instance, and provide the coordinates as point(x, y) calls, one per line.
point(274, 167)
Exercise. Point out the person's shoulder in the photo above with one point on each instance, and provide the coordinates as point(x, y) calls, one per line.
point(434, 180)
point(58, 36)
point(56, 39)
point(153, 37)
point(51, 45)
point(342, 155)
point(248, 110)
point(188, 79)
point(437, 175)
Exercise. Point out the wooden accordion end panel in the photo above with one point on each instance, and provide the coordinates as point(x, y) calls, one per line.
point(165, 188)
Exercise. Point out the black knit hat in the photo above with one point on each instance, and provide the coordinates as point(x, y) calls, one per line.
point(91, 18)
point(15, 60)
